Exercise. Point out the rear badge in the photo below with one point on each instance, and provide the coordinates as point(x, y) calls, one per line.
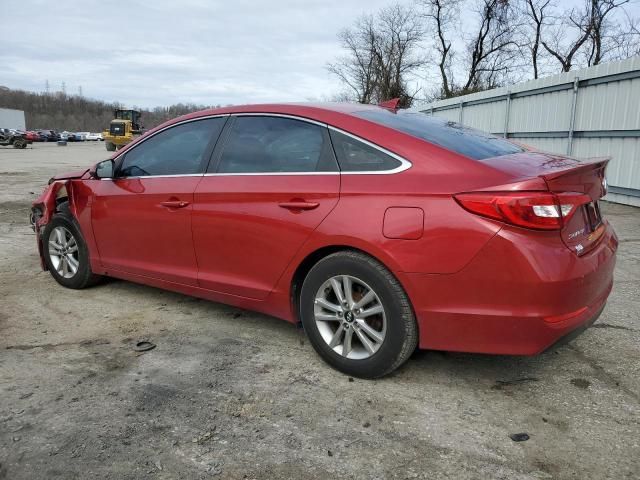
point(575, 234)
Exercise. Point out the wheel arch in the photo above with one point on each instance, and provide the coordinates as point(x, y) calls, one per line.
point(57, 198)
point(313, 257)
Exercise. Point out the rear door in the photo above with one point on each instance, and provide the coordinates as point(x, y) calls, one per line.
point(142, 218)
point(272, 181)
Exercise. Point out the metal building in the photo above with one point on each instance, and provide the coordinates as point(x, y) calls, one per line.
point(10, 118)
point(585, 113)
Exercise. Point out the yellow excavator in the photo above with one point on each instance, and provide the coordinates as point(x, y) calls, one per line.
point(122, 129)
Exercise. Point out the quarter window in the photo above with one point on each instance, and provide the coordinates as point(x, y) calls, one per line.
point(178, 150)
point(265, 144)
point(356, 156)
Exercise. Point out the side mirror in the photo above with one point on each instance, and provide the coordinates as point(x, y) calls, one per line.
point(103, 169)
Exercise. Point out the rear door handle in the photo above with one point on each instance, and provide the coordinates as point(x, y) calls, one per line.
point(174, 204)
point(299, 205)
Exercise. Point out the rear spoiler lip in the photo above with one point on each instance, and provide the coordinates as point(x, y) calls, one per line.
point(594, 163)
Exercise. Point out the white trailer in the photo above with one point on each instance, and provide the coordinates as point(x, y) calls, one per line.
point(13, 119)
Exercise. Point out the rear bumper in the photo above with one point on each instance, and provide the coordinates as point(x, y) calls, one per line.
point(520, 295)
point(572, 334)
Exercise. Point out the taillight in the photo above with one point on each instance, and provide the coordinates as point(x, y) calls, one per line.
point(536, 210)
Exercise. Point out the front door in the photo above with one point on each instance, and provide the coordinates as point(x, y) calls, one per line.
point(269, 186)
point(142, 217)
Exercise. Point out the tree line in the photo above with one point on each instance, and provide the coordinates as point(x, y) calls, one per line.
point(433, 49)
point(59, 111)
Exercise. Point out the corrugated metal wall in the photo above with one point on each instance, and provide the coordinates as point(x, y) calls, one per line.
point(585, 113)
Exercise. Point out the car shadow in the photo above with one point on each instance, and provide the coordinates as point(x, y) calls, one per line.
point(425, 366)
point(498, 372)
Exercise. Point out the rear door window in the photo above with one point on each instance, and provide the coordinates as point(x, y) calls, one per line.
point(270, 144)
point(453, 136)
point(178, 150)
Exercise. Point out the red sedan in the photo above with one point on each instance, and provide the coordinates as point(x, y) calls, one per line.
point(380, 231)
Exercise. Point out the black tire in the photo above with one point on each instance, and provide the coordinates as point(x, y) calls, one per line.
point(83, 277)
point(110, 147)
point(401, 336)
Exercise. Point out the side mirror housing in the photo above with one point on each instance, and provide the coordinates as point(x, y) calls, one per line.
point(104, 169)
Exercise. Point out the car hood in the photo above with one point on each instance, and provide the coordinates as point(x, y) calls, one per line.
point(69, 175)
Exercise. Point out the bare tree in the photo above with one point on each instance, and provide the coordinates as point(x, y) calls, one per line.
point(403, 33)
point(75, 113)
point(536, 11)
point(490, 51)
point(442, 15)
point(628, 43)
point(493, 48)
point(605, 34)
point(576, 22)
point(380, 55)
point(357, 68)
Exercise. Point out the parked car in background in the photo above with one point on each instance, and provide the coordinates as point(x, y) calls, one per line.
point(94, 137)
point(81, 136)
point(32, 136)
point(70, 136)
point(14, 138)
point(49, 135)
point(379, 231)
point(23, 134)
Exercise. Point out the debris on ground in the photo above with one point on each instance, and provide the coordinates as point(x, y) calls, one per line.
point(519, 437)
point(144, 346)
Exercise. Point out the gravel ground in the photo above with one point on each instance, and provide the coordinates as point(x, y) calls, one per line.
point(233, 394)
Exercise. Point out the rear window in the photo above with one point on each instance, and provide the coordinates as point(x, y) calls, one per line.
point(466, 141)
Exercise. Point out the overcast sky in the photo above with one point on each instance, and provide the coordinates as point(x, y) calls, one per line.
point(161, 52)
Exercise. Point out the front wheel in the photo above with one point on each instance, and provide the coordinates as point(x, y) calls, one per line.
point(357, 315)
point(66, 254)
point(110, 147)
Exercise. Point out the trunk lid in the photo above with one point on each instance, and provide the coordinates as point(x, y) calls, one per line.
point(581, 183)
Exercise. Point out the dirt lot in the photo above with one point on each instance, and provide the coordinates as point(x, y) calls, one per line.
point(234, 394)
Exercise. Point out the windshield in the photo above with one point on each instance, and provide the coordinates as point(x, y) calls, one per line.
point(453, 136)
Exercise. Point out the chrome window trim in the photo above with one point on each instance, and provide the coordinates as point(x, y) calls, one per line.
point(157, 176)
point(404, 164)
point(281, 115)
point(270, 174)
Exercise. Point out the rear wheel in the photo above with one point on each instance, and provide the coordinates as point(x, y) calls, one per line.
point(66, 254)
point(357, 316)
point(19, 143)
point(110, 146)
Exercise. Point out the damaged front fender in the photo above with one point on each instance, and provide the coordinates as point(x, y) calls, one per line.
point(59, 187)
point(46, 205)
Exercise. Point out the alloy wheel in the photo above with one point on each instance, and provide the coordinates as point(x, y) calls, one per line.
point(350, 317)
point(63, 252)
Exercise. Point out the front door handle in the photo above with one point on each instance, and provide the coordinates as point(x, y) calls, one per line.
point(301, 205)
point(174, 204)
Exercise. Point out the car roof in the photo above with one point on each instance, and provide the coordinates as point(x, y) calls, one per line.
point(320, 111)
point(341, 107)
point(339, 115)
